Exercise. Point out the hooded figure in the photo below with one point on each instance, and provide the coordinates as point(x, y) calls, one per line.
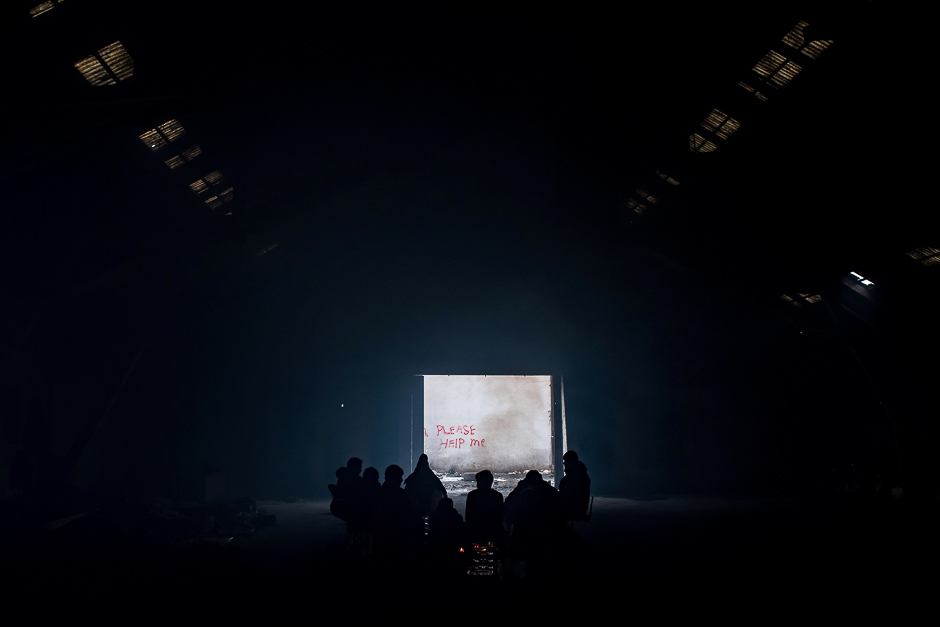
point(423, 488)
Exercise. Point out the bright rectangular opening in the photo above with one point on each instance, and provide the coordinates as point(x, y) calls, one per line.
point(481, 422)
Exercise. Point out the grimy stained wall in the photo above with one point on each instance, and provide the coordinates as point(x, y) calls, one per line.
point(477, 422)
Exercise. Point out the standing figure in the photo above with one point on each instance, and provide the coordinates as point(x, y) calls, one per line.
point(423, 488)
point(485, 511)
point(575, 488)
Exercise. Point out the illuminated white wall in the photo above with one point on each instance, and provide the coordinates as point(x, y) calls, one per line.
point(476, 422)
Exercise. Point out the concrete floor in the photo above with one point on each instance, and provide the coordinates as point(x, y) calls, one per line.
point(674, 554)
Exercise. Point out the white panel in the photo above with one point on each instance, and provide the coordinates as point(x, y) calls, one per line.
point(476, 422)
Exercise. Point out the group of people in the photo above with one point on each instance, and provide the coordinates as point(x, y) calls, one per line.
point(399, 524)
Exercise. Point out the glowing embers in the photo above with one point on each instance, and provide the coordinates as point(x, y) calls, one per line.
point(171, 129)
point(697, 143)
point(153, 139)
point(815, 48)
point(157, 138)
point(112, 62)
point(794, 38)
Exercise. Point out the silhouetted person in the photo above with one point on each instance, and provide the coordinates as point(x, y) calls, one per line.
point(534, 517)
point(348, 494)
point(485, 511)
point(368, 490)
point(397, 527)
point(574, 488)
point(370, 483)
point(446, 538)
point(341, 505)
point(423, 488)
point(354, 469)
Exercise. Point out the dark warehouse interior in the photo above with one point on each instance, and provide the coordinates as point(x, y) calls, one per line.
point(233, 234)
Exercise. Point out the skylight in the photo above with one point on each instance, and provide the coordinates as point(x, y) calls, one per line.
point(153, 139)
point(794, 38)
point(920, 253)
point(112, 62)
point(815, 48)
point(94, 72)
point(172, 130)
point(785, 74)
point(117, 60)
point(697, 143)
point(40, 9)
point(769, 64)
point(191, 153)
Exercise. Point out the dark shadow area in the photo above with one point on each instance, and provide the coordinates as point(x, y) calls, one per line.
point(231, 235)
